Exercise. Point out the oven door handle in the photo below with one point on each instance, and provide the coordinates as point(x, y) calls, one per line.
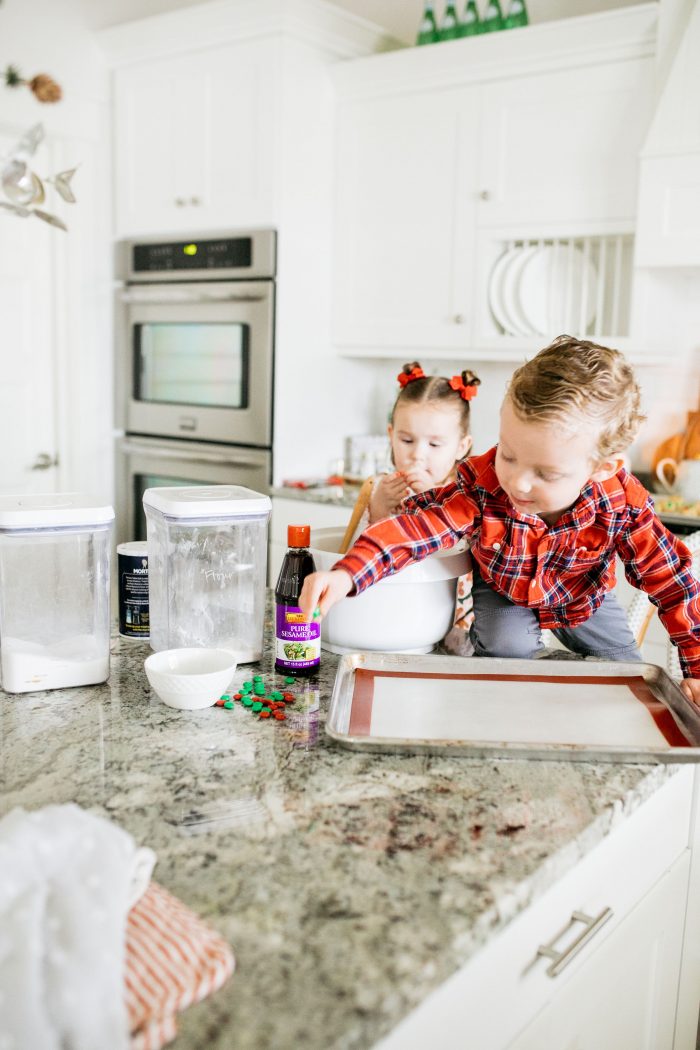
point(194, 295)
point(191, 457)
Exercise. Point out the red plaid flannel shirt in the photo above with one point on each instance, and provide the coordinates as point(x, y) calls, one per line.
point(562, 571)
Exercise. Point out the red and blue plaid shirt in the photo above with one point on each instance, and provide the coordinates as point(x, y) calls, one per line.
point(562, 571)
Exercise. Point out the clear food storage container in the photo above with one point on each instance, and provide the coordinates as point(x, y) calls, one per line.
point(207, 565)
point(54, 591)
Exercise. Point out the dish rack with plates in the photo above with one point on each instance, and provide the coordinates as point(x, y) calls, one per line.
point(538, 288)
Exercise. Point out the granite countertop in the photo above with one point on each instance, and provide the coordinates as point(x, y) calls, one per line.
point(349, 884)
point(336, 495)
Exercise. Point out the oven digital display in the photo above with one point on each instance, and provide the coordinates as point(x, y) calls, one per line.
point(224, 254)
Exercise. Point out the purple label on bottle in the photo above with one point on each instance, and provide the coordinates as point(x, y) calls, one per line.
point(298, 643)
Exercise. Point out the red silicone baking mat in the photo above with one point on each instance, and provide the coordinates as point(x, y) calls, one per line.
point(544, 705)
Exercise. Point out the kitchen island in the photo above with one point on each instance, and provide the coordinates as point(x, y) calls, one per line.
point(350, 885)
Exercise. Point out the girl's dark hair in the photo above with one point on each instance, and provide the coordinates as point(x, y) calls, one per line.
point(426, 389)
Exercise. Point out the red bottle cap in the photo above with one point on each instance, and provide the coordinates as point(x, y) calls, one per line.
point(298, 535)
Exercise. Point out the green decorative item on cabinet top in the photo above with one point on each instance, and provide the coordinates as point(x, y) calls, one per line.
point(470, 23)
point(517, 15)
point(428, 31)
point(493, 17)
point(449, 27)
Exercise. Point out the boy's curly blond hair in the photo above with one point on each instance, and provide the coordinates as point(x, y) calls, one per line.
point(573, 378)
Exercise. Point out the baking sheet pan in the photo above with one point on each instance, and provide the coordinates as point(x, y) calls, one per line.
point(560, 709)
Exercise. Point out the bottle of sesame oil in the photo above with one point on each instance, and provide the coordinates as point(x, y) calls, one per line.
point(297, 643)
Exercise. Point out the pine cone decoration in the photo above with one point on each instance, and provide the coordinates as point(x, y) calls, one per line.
point(45, 88)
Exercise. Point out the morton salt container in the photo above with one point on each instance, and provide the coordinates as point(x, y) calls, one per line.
point(54, 591)
point(207, 562)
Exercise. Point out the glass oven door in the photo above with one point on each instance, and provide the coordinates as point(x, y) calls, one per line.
point(199, 360)
point(144, 463)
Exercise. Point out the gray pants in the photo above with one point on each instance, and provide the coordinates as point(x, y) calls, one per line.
point(501, 628)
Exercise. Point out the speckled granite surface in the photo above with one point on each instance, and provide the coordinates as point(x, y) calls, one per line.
point(349, 885)
point(335, 495)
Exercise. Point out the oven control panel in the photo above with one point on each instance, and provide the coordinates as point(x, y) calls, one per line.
point(193, 255)
point(244, 255)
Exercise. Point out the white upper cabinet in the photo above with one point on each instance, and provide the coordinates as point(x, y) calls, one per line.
point(562, 146)
point(449, 157)
point(195, 139)
point(221, 109)
point(405, 192)
point(669, 197)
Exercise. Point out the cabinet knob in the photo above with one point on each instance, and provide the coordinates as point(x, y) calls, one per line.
point(485, 195)
point(459, 318)
point(180, 202)
point(195, 200)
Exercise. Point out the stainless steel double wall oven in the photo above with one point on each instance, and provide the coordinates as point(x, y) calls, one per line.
point(195, 366)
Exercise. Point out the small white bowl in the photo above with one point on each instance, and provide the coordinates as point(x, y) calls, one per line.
point(190, 679)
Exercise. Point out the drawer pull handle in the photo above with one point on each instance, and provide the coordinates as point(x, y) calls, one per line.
point(561, 959)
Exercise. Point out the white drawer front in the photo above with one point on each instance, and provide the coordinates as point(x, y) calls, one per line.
point(486, 1003)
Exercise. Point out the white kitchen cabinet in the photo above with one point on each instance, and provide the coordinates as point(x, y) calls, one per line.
point(405, 198)
point(195, 139)
point(620, 990)
point(624, 995)
point(221, 114)
point(298, 512)
point(439, 164)
point(669, 211)
point(562, 147)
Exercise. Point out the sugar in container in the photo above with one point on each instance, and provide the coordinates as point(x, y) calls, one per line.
point(54, 591)
point(207, 565)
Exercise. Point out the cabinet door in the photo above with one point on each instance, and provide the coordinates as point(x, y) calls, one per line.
point(405, 207)
point(624, 996)
point(195, 140)
point(668, 232)
point(562, 147)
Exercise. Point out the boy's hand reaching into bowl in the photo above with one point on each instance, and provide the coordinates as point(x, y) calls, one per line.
point(322, 590)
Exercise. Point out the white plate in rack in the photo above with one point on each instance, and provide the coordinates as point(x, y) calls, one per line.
point(542, 290)
point(510, 292)
point(496, 281)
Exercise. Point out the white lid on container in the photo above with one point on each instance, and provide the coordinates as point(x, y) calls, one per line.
point(50, 510)
point(207, 501)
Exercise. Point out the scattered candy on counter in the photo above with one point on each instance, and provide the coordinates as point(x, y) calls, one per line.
point(255, 696)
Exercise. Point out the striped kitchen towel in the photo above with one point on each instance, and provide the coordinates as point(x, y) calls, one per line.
point(173, 959)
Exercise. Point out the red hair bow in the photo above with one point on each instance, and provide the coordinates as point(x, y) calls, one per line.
point(407, 377)
point(466, 391)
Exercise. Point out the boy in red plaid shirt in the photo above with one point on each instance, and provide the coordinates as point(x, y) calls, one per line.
point(546, 512)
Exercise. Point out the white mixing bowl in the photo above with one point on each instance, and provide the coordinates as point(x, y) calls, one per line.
point(190, 678)
point(406, 613)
